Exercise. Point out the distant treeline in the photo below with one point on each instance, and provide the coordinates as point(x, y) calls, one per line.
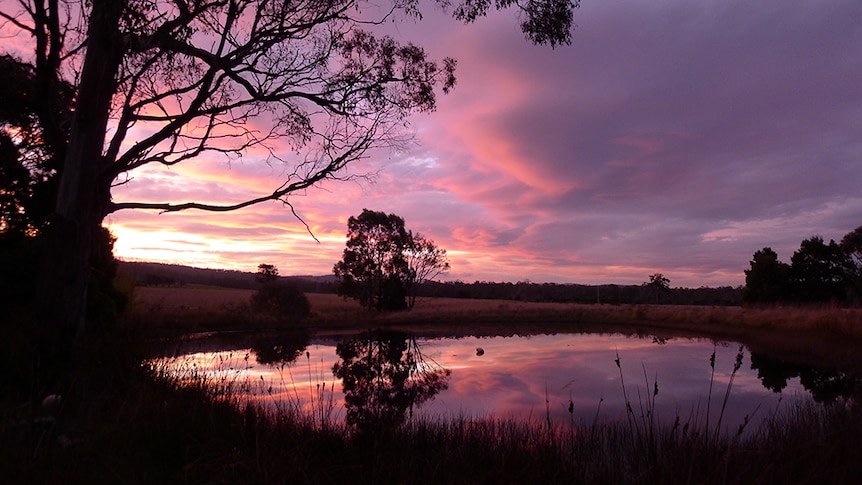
point(157, 274)
point(573, 293)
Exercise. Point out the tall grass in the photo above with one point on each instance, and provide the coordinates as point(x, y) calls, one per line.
point(315, 404)
point(641, 448)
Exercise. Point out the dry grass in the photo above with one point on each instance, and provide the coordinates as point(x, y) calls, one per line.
point(823, 335)
point(335, 310)
point(150, 299)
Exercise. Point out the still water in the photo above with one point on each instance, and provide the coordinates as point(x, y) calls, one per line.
point(561, 378)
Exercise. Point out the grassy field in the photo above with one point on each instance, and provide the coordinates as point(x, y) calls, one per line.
point(328, 309)
point(828, 336)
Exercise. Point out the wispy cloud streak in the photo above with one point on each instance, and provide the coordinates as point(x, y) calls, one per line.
point(672, 136)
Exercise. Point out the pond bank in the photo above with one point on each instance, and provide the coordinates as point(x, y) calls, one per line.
point(825, 336)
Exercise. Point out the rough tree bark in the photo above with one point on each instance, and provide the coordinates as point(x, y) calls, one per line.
point(85, 186)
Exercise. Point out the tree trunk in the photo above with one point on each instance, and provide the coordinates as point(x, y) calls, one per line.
point(84, 192)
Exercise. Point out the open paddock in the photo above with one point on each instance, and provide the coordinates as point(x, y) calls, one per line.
point(824, 334)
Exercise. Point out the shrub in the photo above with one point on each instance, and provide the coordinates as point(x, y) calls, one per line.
point(282, 300)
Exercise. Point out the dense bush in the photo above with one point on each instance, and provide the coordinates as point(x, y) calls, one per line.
point(282, 300)
point(819, 272)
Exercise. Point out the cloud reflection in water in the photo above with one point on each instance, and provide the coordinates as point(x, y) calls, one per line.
point(514, 375)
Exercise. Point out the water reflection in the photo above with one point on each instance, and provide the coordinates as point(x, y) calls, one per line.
point(824, 385)
point(284, 348)
point(384, 374)
point(378, 379)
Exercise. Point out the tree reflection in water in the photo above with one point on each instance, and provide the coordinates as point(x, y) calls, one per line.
point(385, 374)
point(824, 385)
point(283, 348)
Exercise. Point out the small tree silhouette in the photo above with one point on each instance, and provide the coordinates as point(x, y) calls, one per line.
point(659, 284)
point(266, 273)
point(279, 298)
point(384, 264)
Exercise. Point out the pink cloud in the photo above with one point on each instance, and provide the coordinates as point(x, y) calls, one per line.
point(675, 138)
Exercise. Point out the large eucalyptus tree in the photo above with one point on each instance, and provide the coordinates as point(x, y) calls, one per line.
point(165, 81)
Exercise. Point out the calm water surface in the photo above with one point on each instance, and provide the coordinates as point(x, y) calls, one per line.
point(564, 376)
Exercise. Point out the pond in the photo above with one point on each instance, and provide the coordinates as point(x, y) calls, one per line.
point(562, 378)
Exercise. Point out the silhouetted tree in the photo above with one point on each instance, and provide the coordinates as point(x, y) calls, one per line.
point(384, 374)
point(279, 298)
point(829, 386)
point(768, 279)
point(425, 261)
point(772, 372)
point(820, 271)
point(383, 264)
point(266, 273)
point(189, 76)
point(34, 123)
point(658, 284)
point(373, 266)
point(851, 244)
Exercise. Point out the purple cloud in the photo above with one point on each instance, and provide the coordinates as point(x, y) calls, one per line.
point(675, 137)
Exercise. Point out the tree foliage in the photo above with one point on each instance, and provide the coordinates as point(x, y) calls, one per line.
point(768, 279)
point(825, 385)
point(384, 264)
point(283, 348)
point(278, 298)
point(819, 272)
point(34, 128)
point(372, 266)
point(851, 244)
point(33, 131)
point(266, 273)
point(658, 284)
point(425, 261)
point(659, 280)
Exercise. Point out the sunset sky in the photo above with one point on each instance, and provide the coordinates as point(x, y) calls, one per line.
point(671, 136)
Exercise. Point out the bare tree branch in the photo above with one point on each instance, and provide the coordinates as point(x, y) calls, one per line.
point(305, 181)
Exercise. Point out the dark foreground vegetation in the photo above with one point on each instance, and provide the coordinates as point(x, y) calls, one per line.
point(121, 422)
